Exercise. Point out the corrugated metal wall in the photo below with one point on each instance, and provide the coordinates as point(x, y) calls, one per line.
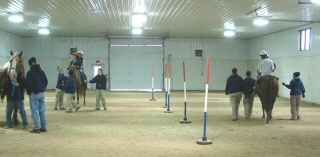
point(53, 53)
point(283, 49)
point(225, 55)
point(9, 42)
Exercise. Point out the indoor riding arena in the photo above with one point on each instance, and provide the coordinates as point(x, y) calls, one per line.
point(173, 77)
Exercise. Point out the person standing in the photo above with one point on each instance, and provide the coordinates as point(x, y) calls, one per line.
point(297, 89)
point(15, 99)
point(70, 89)
point(100, 81)
point(60, 90)
point(234, 87)
point(36, 84)
point(249, 94)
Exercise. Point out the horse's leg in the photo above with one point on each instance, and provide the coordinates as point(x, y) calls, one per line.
point(268, 117)
point(77, 97)
point(263, 115)
point(84, 97)
point(15, 116)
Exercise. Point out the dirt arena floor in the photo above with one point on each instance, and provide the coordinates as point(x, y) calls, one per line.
point(135, 126)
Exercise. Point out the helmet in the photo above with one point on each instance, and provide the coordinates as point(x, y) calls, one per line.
point(263, 53)
point(80, 52)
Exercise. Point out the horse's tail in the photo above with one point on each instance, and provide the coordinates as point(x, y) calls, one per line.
point(269, 95)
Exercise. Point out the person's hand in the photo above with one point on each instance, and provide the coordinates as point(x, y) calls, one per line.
point(17, 84)
point(283, 83)
point(303, 95)
point(226, 93)
point(2, 100)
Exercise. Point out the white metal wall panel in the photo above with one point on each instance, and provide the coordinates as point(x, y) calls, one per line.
point(215, 48)
point(131, 67)
point(9, 42)
point(136, 42)
point(282, 47)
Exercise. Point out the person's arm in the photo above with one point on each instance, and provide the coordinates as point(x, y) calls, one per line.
point(4, 90)
point(21, 82)
point(227, 87)
point(273, 66)
point(94, 80)
point(29, 82)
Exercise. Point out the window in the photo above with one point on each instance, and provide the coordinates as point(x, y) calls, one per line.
point(305, 39)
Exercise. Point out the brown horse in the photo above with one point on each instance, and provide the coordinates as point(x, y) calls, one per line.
point(10, 70)
point(81, 86)
point(267, 89)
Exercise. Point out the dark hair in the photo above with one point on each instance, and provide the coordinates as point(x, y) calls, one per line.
point(234, 70)
point(60, 70)
point(101, 70)
point(71, 72)
point(248, 73)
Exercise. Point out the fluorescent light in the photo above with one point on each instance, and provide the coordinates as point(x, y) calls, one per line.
point(260, 22)
point(315, 1)
point(43, 31)
point(136, 31)
point(229, 33)
point(15, 17)
point(138, 20)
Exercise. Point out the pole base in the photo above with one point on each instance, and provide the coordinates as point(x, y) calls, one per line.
point(185, 121)
point(201, 142)
point(153, 99)
point(168, 111)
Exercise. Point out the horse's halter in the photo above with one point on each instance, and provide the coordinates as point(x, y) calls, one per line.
point(12, 70)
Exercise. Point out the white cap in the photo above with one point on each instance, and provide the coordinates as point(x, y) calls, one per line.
point(263, 53)
point(80, 52)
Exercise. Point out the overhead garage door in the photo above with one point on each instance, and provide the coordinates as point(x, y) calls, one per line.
point(131, 62)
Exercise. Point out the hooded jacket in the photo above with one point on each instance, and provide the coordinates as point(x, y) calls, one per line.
point(61, 78)
point(70, 86)
point(36, 80)
point(296, 86)
point(234, 84)
point(100, 81)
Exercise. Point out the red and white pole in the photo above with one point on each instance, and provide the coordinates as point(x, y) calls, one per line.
point(166, 87)
point(204, 139)
point(170, 73)
point(185, 120)
point(152, 82)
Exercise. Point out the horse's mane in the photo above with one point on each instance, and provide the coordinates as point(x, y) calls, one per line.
point(4, 67)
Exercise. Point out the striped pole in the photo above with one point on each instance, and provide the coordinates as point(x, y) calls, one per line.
point(185, 120)
point(204, 140)
point(170, 73)
point(152, 81)
point(166, 87)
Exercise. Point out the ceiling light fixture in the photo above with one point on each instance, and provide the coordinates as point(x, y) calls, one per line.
point(260, 22)
point(136, 31)
point(315, 1)
point(138, 20)
point(15, 17)
point(229, 33)
point(43, 31)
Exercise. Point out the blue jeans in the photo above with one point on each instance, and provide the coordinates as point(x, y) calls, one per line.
point(19, 105)
point(38, 110)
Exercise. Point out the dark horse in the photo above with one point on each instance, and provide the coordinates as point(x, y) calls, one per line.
point(267, 89)
point(10, 70)
point(81, 86)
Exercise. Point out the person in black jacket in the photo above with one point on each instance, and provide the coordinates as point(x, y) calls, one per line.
point(15, 97)
point(60, 90)
point(234, 87)
point(70, 89)
point(36, 84)
point(100, 79)
point(249, 84)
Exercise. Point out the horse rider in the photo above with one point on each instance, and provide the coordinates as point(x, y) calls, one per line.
point(266, 66)
point(75, 61)
point(82, 64)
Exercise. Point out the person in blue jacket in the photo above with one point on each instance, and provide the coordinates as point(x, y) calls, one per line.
point(36, 84)
point(101, 82)
point(15, 97)
point(234, 87)
point(60, 90)
point(249, 84)
point(297, 90)
point(70, 89)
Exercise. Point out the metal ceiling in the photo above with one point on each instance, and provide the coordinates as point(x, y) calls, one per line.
point(174, 18)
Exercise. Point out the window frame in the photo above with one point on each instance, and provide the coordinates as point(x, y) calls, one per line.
point(305, 39)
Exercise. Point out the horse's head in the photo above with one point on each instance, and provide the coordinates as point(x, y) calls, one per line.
point(16, 65)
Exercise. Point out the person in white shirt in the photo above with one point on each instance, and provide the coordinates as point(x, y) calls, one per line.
point(266, 66)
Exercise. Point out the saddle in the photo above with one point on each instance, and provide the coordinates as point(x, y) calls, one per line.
point(267, 75)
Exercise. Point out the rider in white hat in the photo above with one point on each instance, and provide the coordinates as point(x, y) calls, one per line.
point(266, 66)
